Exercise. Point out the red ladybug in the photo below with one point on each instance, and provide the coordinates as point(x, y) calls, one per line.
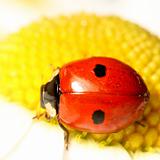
point(97, 95)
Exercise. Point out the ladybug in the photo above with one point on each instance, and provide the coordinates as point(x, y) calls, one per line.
point(96, 95)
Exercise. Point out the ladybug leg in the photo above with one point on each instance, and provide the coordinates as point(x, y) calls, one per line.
point(45, 114)
point(66, 139)
point(140, 123)
point(39, 116)
point(66, 136)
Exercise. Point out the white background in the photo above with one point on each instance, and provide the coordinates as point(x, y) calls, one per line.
point(15, 13)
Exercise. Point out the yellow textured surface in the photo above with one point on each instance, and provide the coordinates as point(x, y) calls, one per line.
point(26, 57)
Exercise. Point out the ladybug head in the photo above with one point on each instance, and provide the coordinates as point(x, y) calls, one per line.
point(50, 95)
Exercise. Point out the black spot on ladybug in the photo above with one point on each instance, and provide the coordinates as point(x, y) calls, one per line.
point(98, 116)
point(100, 70)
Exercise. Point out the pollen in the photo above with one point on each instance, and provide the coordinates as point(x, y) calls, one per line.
point(29, 56)
point(134, 141)
point(153, 118)
point(151, 137)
